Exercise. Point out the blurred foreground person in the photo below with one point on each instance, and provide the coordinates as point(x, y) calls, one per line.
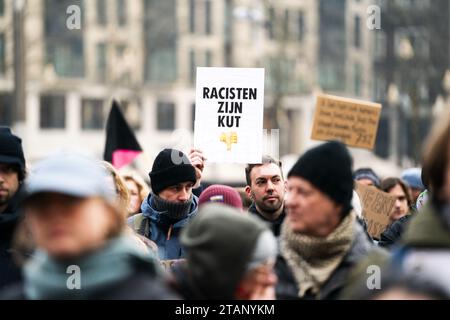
point(229, 256)
point(82, 253)
point(423, 252)
point(321, 239)
point(12, 174)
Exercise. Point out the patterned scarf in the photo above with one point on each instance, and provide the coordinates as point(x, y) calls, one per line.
point(314, 259)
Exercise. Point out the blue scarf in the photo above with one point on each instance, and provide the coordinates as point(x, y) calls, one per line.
point(47, 278)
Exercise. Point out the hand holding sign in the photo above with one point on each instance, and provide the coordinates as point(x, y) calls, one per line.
point(197, 159)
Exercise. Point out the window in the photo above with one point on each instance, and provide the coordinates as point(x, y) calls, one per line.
point(2, 54)
point(166, 116)
point(357, 32)
point(6, 115)
point(53, 112)
point(160, 41)
point(192, 16)
point(271, 23)
point(357, 76)
point(301, 26)
point(102, 17)
point(286, 24)
point(132, 111)
point(192, 66)
point(208, 58)
point(101, 62)
point(208, 17)
point(92, 116)
point(121, 12)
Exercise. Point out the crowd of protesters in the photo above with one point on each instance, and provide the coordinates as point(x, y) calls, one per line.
point(303, 236)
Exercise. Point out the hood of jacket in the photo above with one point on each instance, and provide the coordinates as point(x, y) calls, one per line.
point(11, 216)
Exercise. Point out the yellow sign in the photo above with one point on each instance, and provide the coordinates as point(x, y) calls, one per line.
point(229, 139)
point(376, 208)
point(353, 122)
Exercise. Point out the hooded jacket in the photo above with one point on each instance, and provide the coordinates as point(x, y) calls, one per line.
point(422, 254)
point(164, 232)
point(9, 220)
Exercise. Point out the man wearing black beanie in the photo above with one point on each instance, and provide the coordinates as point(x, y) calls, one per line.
point(12, 174)
point(320, 239)
point(171, 204)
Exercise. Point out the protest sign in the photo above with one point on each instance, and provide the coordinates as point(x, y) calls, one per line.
point(353, 122)
point(376, 207)
point(229, 110)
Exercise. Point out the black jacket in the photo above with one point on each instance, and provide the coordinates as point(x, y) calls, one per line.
point(287, 288)
point(393, 232)
point(181, 283)
point(275, 226)
point(9, 219)
point(142, 285)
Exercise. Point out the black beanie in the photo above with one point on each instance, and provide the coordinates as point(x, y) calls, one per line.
point(329, 168)
point(170, 168)
point(11, 151)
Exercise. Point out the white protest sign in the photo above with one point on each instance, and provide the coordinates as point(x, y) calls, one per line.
point(229, 111)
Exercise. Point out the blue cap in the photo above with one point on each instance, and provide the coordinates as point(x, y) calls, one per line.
point(413, 178)
point(71, 174)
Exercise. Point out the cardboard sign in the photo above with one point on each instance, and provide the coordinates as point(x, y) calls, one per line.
point(353, 122)
point(229, 109)
point(376, 207)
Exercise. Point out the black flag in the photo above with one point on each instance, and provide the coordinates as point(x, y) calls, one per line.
point(121, 146)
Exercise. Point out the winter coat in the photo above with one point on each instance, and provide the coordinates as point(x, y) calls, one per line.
point(9, 219)
point(287, 288)
point(275, 226)
point(393, 232)
point(161, 230)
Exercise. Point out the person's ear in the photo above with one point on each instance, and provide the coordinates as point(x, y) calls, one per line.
point(248, 190)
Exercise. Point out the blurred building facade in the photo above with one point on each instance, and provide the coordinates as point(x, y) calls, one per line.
point(145, 53)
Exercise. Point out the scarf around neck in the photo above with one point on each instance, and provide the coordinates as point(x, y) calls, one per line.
point(46, 278)
point(174, 210)
point(312, 259)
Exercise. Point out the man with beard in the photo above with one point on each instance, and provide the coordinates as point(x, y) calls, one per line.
point(171, 204)
point(266, 187)
point(12, 174)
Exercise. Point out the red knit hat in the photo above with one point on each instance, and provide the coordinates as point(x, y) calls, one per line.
point(221, 194)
